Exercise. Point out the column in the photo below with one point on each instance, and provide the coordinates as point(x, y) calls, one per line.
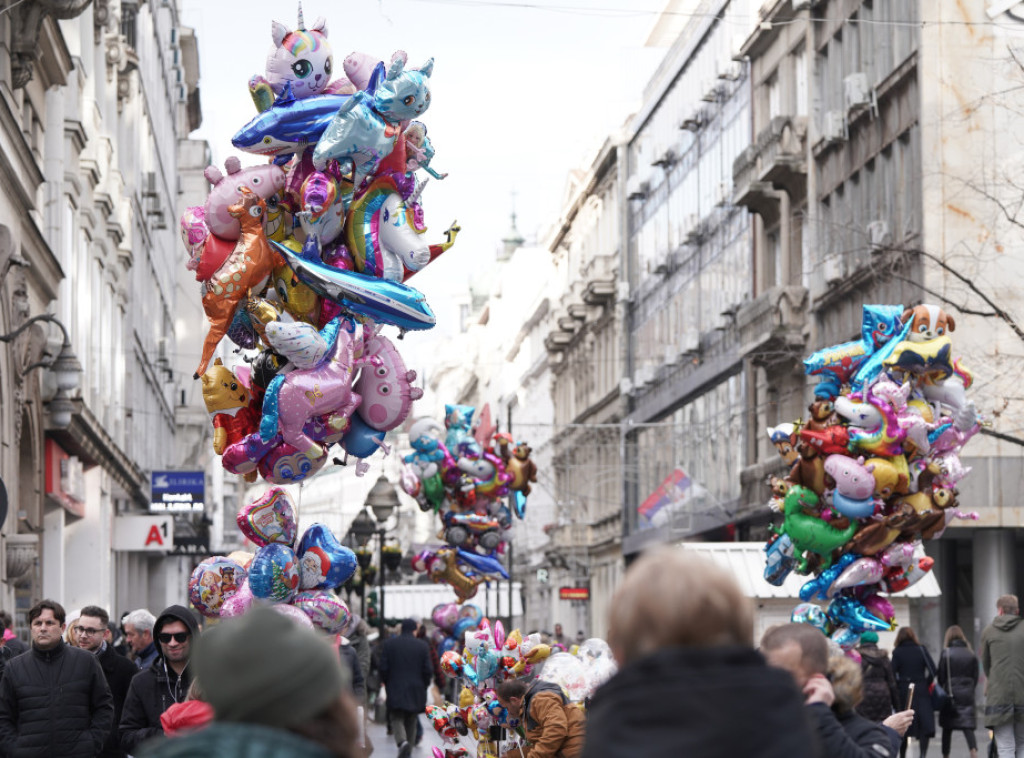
point(994, 572)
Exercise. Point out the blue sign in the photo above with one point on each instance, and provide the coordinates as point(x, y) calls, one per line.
point(181, 491)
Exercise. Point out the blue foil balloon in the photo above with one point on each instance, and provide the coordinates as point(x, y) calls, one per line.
point(274, 573)
point(809, 613)
point(848, 611)
point(817, 588)
point(361, 440)
point(324, 562)
point(289, 125)
point(839, 364)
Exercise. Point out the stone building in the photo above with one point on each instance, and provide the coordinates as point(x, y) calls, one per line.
point(97, 96)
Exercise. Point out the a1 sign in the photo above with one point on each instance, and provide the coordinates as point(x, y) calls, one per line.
point(144, 534)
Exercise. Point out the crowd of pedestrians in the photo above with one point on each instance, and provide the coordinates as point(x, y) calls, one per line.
point(692, 681)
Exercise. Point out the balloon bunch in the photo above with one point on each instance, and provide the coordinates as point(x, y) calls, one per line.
point(874, 469)
point(304, 258)
point(295, 579)
point(466, 483)
point(489, 657)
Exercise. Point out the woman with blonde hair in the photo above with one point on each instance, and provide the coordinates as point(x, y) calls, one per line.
point(847, 683)
point(958, 675)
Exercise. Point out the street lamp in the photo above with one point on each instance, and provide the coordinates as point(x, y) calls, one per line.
point(383, 501)
point(65, 367)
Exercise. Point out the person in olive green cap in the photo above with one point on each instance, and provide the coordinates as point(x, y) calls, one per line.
point(277, 690)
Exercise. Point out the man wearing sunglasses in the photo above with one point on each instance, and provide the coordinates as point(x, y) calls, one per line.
point(91, 628)
point(164, 683)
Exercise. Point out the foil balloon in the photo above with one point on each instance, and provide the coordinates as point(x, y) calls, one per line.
point(212, 582)
point(361, 440)
point(294, 398)
point(325, 609)
point(452, 664)
point(247, 269)
point(295, 614)
point(264, 181)
point(386, 387)
point(445, 615)
point(288, 126)
point(384, 301)
point(238, 603)
point(861, 571)
point(193, 234)
point(499, 634)
point(836, 366)
point(241, 557)
point(274, 573)
point(809, 613)
point(325, 562)
point(283, 464)
point(269, 518)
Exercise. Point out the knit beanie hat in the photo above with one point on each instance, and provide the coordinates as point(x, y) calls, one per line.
point(869, 638)
point(263, 668)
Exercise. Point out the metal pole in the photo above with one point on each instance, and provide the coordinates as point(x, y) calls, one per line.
point(380, 558)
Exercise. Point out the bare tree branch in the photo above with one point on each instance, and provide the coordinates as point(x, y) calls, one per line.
point(1003, 437)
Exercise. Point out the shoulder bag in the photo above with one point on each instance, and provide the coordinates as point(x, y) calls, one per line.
point(939, 696)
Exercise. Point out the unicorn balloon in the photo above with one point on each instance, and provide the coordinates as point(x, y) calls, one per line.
point(382, 234)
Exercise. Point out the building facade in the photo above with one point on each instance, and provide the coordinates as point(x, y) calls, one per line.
point(104, 93)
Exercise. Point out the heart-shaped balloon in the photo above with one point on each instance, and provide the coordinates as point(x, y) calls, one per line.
point(213, 581)
point(325, 609)
point(274, 573)
point(445, 615)
point(325, 562)
point(269, 518)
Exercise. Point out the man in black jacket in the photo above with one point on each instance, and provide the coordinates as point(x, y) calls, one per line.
point(164, 683)
point(118, 670)
point(405, 670)
point(54, 699)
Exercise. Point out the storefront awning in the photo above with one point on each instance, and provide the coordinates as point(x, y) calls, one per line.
point(418, 600)
point(745, 561)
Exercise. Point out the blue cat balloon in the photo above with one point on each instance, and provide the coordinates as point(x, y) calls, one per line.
point(367, 126)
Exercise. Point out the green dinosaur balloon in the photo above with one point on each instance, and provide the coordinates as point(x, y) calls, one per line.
point(809, 533)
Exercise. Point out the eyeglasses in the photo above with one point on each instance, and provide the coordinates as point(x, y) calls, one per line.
point(84, 630)
point(179, 637)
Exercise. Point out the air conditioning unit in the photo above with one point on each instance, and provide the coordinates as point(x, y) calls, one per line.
point(857, 91)
point(799, 5)
point(879, 236)
point(689, 341)
point(637, 188)
point(731, 71)
point(644, 375)
point(724, 195)
point(666, 160)
point(714, 91)
point(626, 386)
point(697, 118)
point(834, 128)
point(833, 269)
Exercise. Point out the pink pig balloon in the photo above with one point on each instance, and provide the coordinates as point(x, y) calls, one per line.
point(386, 388)
point(265, 181)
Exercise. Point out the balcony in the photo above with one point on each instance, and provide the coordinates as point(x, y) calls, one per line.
point(748, 190)
point(771, 327)
point(558, 341)
point(783, 153)
point(599, 292)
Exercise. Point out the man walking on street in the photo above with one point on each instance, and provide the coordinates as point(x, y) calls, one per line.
point(54, 700)
point(405, 671)
point(164, 683)
point(118, 670)
point(138, 631)
point(1002, 657)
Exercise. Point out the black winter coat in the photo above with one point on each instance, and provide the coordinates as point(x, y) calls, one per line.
point(913, 663)
point(152, 692)
point(874, 739)
point(720, 702)
point(405, 671)
point(54, 703)
point(119, 672)
point(881, 697)
point(960, 680)
point(349, 655)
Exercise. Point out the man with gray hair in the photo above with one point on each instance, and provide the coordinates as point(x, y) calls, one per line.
point(138, 630)
point(1002, 657)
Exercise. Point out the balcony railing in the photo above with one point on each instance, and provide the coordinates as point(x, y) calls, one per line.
point(771, 327)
